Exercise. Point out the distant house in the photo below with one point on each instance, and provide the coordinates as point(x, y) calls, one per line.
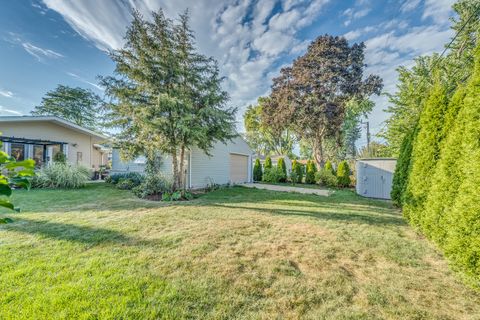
point(228, 163)
point(288, 162)
point(42, 137)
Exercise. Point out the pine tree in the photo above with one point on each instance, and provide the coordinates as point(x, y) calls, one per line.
point(343, 174)
point(257, 171)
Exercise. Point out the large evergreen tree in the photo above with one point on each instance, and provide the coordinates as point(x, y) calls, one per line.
point(166, 97)
point(80, 106)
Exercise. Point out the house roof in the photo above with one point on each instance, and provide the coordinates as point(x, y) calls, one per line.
point(56, 120)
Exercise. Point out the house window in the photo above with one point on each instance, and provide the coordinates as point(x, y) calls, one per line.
point(38, 155)
point(56, 148)
point(79, 157)
point(17, 151)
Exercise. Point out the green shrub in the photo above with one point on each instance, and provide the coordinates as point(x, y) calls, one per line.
point(257, 171)
point(425, 153)
point(326, 178)
point(60, 157)
point(296, 176)
point(402, 169)
point(126, 184)
point(136, 177)
point(283, 168)
point(343, 174)
point(273, 175)
point(177, 195)
point(61, 175)
point(268, 163)
point(311, 169)
point(329, 166)
point(153, 184)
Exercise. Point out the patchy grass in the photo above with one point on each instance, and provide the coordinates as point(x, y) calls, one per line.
point(234, 253)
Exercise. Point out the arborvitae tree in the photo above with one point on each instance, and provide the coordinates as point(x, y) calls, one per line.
point(257, 171)
point(310, 172)
point(402, 169)
point(425, 153)
point(452, 217)
point(268, 163)
point(165, 96)
point(343, 174)
point(297, 172)
point(329, 167)
point(282, 168)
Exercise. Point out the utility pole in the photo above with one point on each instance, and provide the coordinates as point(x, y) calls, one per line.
point(367, 125)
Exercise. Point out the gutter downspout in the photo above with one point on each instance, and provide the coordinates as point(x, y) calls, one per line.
point(190, 169)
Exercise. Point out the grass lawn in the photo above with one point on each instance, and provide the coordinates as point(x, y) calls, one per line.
point(100, 253)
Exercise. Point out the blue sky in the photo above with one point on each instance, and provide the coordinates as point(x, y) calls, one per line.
point(50, 42)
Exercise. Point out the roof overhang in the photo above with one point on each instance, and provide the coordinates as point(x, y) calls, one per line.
point(56, 120)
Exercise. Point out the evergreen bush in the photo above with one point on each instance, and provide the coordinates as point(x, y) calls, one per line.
point(257, 171)
point(329, 166)
point(326, 178)
point(343, 174)
point(310, 172)
point(402, 169)
point(283, 168)
point(268, 163)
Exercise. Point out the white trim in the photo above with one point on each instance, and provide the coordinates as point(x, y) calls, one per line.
point(57, 120)
point(190, 170)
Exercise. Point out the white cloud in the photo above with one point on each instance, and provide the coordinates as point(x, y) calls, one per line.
point(438, 10)
point(409, 5)
point(247, 51)
point(8, 111)
point(6, 93)
point(40, 53)
point(351, 14)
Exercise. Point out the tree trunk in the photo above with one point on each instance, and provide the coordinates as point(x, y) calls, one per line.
point(175, 170)
point(182, 167)
point(317, 147)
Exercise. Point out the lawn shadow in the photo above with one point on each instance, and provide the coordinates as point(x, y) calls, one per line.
point(69, 232)
point(370, 219)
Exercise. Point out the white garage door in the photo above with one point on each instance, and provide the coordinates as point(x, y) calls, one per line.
point(238, 168)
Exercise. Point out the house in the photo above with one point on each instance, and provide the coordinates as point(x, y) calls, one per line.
point(229, 163)
point(42, 137)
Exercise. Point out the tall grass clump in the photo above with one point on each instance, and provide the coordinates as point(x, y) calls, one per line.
point(61, 175)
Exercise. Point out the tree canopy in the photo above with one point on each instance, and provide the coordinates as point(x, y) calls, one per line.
point(311, 95)
point(166, 97)
point(78, 105)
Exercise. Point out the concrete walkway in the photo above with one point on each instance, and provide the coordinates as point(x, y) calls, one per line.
point(274, 187)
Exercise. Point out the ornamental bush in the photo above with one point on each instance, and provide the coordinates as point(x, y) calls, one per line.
point(297, 172)
point(329, 166)
point(283, 168)
point(268, 163)
point(257, 171)
point(310, 172)
point(343, 174)
point(273, 175)
point(153, 185)
point(326, 178)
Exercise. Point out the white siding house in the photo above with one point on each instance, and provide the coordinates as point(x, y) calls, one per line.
point(229, 163)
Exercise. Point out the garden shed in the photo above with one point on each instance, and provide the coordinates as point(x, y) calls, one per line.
point(374, 177)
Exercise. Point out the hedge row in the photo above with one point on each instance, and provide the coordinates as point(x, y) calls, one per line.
point(437, 179)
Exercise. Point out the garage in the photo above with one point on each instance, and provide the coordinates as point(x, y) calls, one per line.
point(238, 168)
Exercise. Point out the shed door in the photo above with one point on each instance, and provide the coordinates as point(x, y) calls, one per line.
point(238, 168)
